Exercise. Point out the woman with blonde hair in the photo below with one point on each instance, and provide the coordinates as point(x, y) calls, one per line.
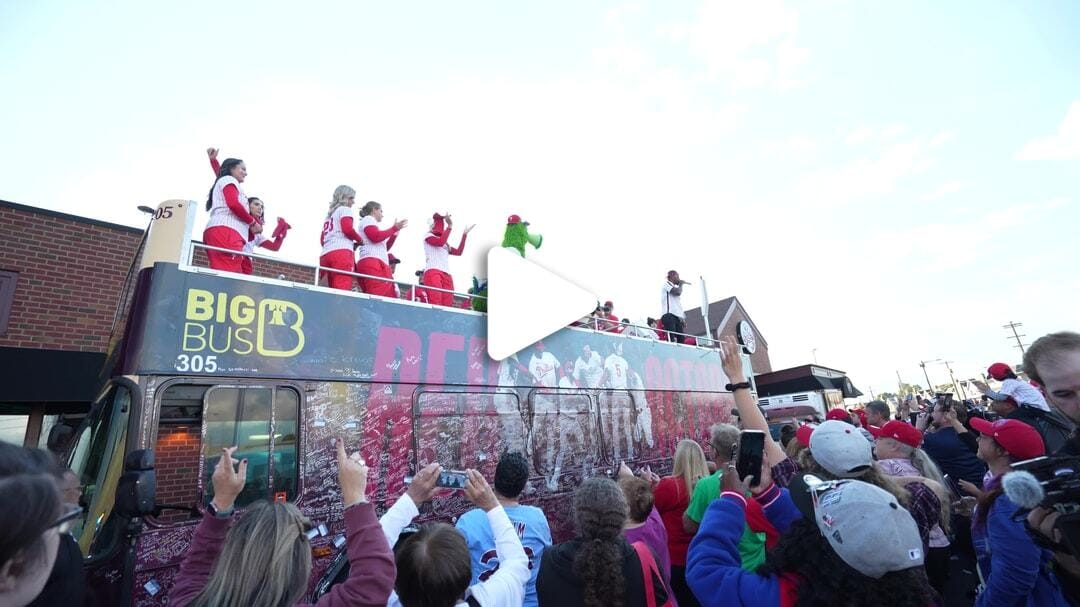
point(339, 238)
point(671, 498)
point(265, 557)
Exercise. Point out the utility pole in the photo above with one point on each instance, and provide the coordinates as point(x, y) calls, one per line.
point(814, 352)
point(922, 363)
point(959, 388)
point(899, 384)
point(1012, 327)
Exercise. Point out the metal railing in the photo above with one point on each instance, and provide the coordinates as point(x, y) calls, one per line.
point(593, 324)
point(319, 269)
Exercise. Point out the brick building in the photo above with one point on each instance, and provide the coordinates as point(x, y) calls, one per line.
point(60, 280)
point(61, 277)
point(724, 318)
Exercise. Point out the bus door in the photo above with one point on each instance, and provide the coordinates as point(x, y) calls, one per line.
point(97, 457)
point(194, 422)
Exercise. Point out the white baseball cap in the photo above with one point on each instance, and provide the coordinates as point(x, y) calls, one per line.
point(841, 449)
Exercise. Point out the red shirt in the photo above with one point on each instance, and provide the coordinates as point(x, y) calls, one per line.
point(671, 501)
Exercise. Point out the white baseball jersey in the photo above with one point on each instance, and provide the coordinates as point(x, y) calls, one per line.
point(1024, 394)
point(671, 303)
point(588, 372)
point(616, 366)
point(368, 248)
point(543, 369)
point(333, 238)
point(637, 391)
point(508, 371)
point(436, 258)
point(251, 245)
point(221, 214)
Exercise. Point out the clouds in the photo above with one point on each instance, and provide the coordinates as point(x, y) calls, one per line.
point(949, 187)
point(1063, 145)
point(747, 44)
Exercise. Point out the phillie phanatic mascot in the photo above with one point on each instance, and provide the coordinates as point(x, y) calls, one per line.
point(517, 235)
point(437, 254)
point(480, 287)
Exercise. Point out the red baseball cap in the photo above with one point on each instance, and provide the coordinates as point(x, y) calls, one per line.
point(803, 434)
point(838, 414)
point(901, 431)
point(1016, 437)
point(513, 219)
point(999, 371)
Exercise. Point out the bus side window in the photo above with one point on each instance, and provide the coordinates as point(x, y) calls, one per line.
point(198, 421)
point(261, 423)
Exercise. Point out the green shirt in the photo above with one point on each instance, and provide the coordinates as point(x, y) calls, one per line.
point(751, 545)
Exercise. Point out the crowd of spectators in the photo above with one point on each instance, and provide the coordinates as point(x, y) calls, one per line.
point(834, 518)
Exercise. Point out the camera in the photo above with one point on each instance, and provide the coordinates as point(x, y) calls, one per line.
point(1056, 486)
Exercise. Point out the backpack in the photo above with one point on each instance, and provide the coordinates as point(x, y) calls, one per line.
point(649, 571)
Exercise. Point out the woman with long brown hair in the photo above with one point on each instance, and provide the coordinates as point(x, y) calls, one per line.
point(265, 557)
point(598, 568)
point(672, 496)
point(230, 217)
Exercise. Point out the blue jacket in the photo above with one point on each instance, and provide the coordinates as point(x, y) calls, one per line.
point(1015, 570)
point(713, 565)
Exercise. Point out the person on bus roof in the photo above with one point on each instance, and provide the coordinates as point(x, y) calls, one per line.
point(437, 252)
point(375, 244)
point(230, 217)
point(257, 210)
point(339, 239)
point(265, 557)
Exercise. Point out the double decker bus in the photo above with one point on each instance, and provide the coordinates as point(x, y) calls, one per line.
point(202, 360)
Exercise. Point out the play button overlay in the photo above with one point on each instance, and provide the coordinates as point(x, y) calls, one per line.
point(526, 303)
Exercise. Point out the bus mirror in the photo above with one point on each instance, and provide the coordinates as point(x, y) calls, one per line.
point(60, 437)
point(141, 459)
point(137, 486)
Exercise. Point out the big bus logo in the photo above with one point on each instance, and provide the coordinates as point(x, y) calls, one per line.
point(238, 324)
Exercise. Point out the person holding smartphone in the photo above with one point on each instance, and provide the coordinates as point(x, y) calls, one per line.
point(757, 533)
point(433, 565)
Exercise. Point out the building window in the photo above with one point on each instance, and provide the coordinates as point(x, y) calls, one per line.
point(7, 296)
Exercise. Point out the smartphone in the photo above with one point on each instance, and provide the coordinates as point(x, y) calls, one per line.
point(954, 487)
point(751, 452)
point(451, 479)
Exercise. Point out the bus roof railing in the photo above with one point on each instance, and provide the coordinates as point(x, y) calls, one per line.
point(601, 325)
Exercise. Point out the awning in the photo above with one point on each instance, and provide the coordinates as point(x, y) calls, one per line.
point(806, 378)
point(29, 375)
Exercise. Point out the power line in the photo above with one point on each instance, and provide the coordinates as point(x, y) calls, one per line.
point(1012, 326)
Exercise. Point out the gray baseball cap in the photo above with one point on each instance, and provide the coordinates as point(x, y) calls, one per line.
point(868, 529)
point(841, 449)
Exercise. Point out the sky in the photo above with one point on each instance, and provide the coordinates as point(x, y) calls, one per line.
point(882, 182)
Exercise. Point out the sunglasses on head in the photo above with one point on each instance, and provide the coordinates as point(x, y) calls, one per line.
point(67, 520)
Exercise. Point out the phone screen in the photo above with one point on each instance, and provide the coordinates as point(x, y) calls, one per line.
point(751, 450)
point(451, 479)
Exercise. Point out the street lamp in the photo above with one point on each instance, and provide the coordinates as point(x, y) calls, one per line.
point(923, 363)
point(814, 352)
point(146, 209)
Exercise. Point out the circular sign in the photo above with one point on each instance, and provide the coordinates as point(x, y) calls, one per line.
point(746, 337)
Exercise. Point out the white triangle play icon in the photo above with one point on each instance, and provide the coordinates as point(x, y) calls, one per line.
point(526, 303)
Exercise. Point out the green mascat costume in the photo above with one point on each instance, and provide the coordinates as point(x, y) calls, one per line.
point(479, 288)
point(517, 235)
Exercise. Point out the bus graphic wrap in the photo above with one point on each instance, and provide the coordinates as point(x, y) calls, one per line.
point(242, 328)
